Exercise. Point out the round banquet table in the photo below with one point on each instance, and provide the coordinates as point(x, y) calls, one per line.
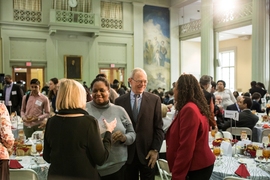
point(230, 164)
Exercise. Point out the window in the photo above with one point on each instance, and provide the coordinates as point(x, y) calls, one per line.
point(226, 69)
point(27, 11)
point(111, 15)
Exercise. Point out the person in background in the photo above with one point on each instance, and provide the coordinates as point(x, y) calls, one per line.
point(262, 90)
point(246, 118)
point(235, 94)
point(45, 89)
point(35, 109)
point(72, 143)
point(226, 94)
point(123, 134)
point(156, 92)
point(144, 110)
point(166, 119)
point(117, 87)
point(53, 88)
point(255, 103)
point(6, 142)
point(188, 153)
point(205, 83)
point(113, 93)
point(213, 88)
point(12, 95)
point(84, 85)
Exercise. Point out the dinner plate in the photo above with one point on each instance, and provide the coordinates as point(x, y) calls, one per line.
point(263, 161)
point(245, 161)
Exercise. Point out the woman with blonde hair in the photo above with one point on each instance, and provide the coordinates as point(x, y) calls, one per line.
point(72, 142)
point(188, 152)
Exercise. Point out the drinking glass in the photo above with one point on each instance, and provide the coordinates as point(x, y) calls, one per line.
point(213, 133)
point(265, 140)
point(259, 155)
point(266, 154)
point(216, 151)
point(39, 147)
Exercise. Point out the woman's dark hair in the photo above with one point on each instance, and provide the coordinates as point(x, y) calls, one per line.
point(223, 82)
point(256, 95)
point(51, 93)
point(99, 78)
point(188, 90)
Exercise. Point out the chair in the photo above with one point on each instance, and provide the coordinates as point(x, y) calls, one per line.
point(163, 169)
point(23, 174)
point(236, 131)
point(40, 134)
point(265, 132)
point(223, 134)
point(233, 178)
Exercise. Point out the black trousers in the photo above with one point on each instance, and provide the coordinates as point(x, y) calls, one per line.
point(136, 168)
point(201, 174)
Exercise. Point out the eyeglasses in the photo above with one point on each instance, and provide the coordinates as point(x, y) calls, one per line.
point(34, 87)
point(140, 81)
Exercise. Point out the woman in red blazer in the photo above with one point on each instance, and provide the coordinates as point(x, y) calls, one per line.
point(188, 153)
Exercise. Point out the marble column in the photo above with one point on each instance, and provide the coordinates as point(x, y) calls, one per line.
point(207, 39)
point(138, 33)
point(175, 47)
point(260, 42)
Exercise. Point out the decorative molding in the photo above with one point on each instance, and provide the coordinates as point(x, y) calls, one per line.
point(27, 16)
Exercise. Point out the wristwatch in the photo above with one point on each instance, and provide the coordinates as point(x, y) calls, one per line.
point(72, 3)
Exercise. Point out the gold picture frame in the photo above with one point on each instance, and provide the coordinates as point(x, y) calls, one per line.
point(73, 67)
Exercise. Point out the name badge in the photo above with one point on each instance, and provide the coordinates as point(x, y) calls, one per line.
point(14, 92)
point(38, 103)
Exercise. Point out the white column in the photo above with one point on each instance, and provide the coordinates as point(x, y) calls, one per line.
point(138, 33)
point(175, 48)
point(260, 42)
point(207, 39)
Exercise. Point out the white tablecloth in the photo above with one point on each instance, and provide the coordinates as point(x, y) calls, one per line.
point(229, 165)
point(28, 163)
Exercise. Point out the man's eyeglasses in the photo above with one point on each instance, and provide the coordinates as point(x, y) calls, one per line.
point(34, 87)
point(140, 81)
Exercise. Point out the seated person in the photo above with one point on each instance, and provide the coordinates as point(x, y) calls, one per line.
point(246, 118)
point(235, 106)
point(256, 105)
point(218, 111)
point(166, 119)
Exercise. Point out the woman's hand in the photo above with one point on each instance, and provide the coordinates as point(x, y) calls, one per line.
point(110, 126)
point(118, 136)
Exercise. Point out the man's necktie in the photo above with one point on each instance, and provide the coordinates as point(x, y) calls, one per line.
point(135, 107)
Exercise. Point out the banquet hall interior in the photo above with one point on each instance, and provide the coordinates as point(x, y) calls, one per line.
point(78, 39)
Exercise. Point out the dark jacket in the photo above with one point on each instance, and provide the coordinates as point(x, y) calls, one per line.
point(148, 128)
point(73, 146)
point(16, 95)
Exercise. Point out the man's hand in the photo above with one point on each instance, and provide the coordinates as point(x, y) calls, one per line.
point(118, 136)
point(152, 154)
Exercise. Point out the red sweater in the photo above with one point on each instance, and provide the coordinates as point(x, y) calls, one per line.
point(187, 142)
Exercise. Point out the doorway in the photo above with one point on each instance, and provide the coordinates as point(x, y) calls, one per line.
point(113, 73)
point(25, 74)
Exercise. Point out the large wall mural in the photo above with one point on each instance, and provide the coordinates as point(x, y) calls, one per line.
point(157, 46)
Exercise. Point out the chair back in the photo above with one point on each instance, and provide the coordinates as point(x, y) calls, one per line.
point(23, 174)
point(37, 135)
point(265, 132)
point(222, 134)
point(236, 131)
point(163, 169)
point(233, 178)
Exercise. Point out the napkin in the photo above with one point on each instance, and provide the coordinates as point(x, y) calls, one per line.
point(14, 164)
point(226, 148)
point(242, 171)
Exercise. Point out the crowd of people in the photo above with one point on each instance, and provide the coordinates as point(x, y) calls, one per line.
point(108, 131)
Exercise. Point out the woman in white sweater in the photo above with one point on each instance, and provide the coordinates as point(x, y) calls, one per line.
point(227, 96)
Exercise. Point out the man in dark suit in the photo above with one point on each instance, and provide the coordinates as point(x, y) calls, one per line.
point(147, 123)
point(12, 95)
point(235, 106)
point(246, 117)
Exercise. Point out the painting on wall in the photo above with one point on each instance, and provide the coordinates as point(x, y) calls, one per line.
point(157, 46)
point(73, 67)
